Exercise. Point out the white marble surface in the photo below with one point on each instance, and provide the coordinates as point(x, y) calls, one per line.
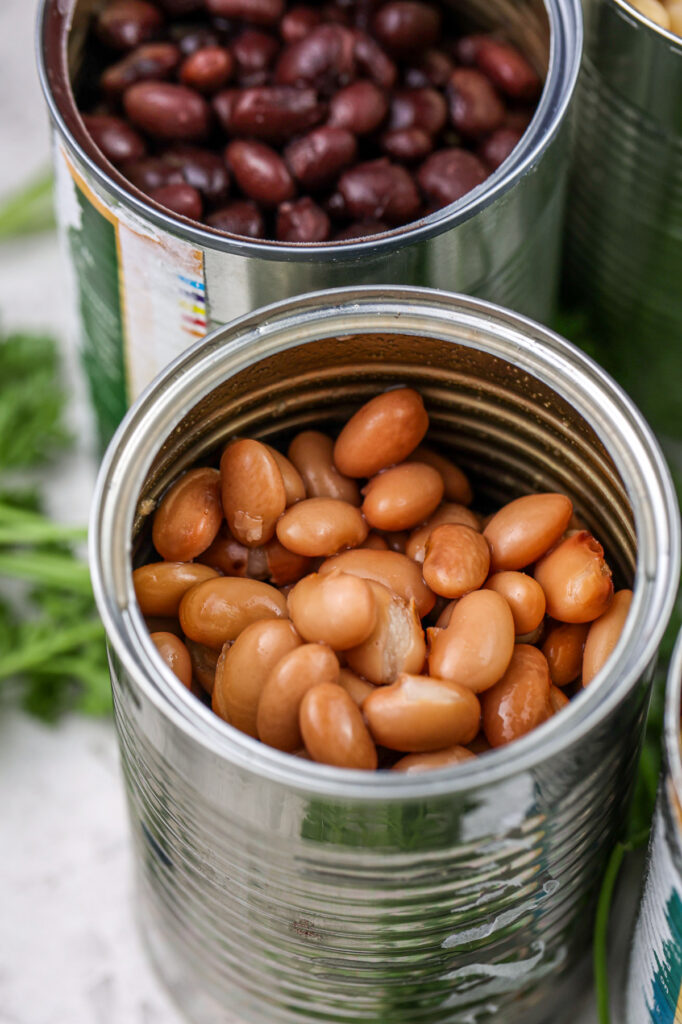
point(69, 950)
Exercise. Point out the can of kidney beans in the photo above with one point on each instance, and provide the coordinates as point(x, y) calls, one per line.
point(654, 989)
point(275, 889)
point(624, 257)
point(150, 283)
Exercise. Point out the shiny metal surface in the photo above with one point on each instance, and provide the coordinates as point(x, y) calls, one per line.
point(500, 242)
point(273, 889)
point(624, 256)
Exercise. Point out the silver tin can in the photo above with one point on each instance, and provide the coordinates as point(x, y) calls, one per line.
point(654, 987)
point(273, 889)
point(624, 256)
point(149, 283)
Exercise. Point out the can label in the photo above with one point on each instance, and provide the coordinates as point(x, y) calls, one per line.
point(655, 977)
point(141, 292)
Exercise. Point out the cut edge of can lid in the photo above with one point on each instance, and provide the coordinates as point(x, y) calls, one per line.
point(641, 19)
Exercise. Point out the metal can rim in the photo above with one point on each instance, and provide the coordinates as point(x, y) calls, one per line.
point(566, 45)
point(673, 740)
point(420, 311)
point(641, 19)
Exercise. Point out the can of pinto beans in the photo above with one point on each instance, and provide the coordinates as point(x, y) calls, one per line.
point(149, 283)
point(624, 256)
point(654, 989)
point(275, 889)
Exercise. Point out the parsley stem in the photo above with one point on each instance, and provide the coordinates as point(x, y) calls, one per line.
point(29, 657)
point(28, 211)
point(48, 568)
point(601, 926)
point(39, 533)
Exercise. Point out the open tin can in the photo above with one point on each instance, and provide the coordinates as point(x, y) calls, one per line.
point(654, 988)
point(274, 889)
point(150, 283)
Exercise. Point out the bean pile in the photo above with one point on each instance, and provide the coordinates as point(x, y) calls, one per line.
point(666, 13)
point(301, 123)
point(353, 624)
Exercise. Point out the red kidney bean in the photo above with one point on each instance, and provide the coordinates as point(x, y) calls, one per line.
point(167, 111)
point(114, 136)
point(403, 26)
point(494, 150)
point(334, 14)
point(260, 12)
point(254, 52)
point(379, 189)
point(407, 144)
point(207, 69)
point(181, 199)
point(418, 108)
point(504, 65)
point(202, 169)
point(519, 118)
point(298, 22)
point(242, 217)
point(465, 50)
point(318, 157)
point(359, 107)
point(151, 61)
point(475, 107)
point(325, 59)
point(124, 24)
point(271, 113)
point(260, 172)
point(193, 37)
point(302, 221)
point(335, 206)
point(449, 174)
point(178, 8)
point(151, 172)
point(432, 68)
point(373, 61)
point(361, 229)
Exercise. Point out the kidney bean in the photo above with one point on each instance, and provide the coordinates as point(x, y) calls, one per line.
point(167, 111)
point(311, 452)
point(361, 229)
point(432, 68)
point(204, 661)
point(359, 107)
point(254, 53)
point(181, 199)
point(401, 497)
point(242, 217)
point(449, 174)
point(506, 68)
point(418, 108)
point(217, 610)
point(418, 713)
point(151, 61)
point(390, 568)
point(403, 26)
point(457, 486)
point(475, 107)
point(476, 646)
point(576, 580)
point(317, 158)
point(259, 12)
point(160, 586)
point(375, 542)
point(277, 719)
point(409, 145)
point(356, 687)
point(321, 526)
point(336, 609)
point(117, 140)
point(253, 491)
point(298, 22)
point(294, 487)
point(302, 221)
point(260, 172)
point(124, 24)
point(245, 667)
point(479, 745)
point(448, 512)
point(324, 59)
point(563, 648)
point(603, 635)
point(335, 206)
point(333, 729)
point(525, 597)
point(396, 644)
point(457, 560)
point(384, 431)
point(520, 701)
point(373, 61)
point(207, 69)
point(201, 169)
point(524, 529)
point(272, 113)
point(413, 763)
point(150, 173)
point(190, 38)
point(557, 700)
point(283, 567)
point(189, 516)
point(494, 150)
point(226, 554)
point(175, 655)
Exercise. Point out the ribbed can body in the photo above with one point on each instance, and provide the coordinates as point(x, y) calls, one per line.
point(148, 285)
point(654, 987)
point(624, 256)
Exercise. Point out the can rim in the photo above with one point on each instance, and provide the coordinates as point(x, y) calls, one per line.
point(673, 742)
point(566, 44)
point(641, 19)
point(417, 311)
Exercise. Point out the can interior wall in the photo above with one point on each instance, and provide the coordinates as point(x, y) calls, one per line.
point(276, 890)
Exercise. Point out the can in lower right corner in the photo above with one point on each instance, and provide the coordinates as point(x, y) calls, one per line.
point(654, 988)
